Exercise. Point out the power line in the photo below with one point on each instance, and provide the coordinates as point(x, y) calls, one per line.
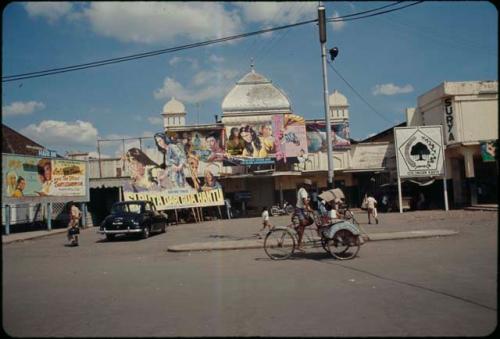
point(146, 54)
point(104, 62)
point(337, 19)
point(359, 95)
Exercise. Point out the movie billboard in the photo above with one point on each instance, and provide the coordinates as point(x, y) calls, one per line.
point(265, 142)
point(27, 177)
point(316, 136)
point(183, 164)
point(250, 144)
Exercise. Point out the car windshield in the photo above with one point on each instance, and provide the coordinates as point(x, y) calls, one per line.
point(131, 208)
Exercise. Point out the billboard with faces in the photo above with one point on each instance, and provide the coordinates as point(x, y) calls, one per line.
point(28, 178)
point(265, 142)
point(182, 163)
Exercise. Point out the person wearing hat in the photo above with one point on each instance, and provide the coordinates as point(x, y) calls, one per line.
point(301, 207)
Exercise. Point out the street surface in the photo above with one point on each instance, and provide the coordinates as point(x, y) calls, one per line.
point(443, 286)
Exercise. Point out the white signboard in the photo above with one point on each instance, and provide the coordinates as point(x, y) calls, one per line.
point(419, 151)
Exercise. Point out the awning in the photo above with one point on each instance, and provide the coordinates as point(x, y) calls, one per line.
point(107, 182)
point(365, 170)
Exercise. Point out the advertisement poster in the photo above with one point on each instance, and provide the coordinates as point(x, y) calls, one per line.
point(316, 136)
point(180, 157)
point(294, 138)
point(246, 143)
point(42, 177)
point(489, 150)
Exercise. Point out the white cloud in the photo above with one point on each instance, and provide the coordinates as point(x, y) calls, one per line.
point(22, 108)
point(391, 89)
point(174, 60)
point(277, 12)
point(177, 60)
point(159, 22)
point(205, 85)
point(51, 11)
point(62, 134)
point(337, 25)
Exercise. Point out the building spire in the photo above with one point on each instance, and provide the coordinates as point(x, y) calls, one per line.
point(252, 64)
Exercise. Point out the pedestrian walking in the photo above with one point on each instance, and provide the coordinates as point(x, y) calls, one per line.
point(74, 220)
point(265, 222)
point(371, 205)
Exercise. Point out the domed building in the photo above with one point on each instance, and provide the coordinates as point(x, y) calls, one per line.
point(174, 114)
point(338, 107)
point(253, 99)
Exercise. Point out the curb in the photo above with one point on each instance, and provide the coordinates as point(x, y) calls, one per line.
point(253, 244)
point(17, 237)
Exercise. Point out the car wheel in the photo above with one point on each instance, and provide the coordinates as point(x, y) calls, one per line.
point(110, 237)
point(145, 232)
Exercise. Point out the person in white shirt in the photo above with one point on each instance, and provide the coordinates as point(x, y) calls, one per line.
point(265, 222)
point(302, 206)
point(371, 204)
point(74, 220)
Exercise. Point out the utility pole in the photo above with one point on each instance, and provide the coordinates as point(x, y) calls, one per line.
point(322, 40)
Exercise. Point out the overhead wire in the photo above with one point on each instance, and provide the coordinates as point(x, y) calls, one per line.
point(343, 18)
point(104, 62)
point(359, 95)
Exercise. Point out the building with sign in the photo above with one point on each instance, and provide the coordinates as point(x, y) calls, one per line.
point(468, 112)
point(254, 180)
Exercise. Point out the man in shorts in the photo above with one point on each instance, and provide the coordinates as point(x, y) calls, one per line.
point(302, 207)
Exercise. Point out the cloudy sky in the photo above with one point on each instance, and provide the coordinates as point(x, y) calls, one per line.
point(385, 62)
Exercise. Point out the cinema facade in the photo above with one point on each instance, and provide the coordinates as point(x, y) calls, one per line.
point(259, 151)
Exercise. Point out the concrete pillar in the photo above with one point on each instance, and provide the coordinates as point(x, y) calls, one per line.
point(49, 216)
point(469, 174)
point(469, 162)
point(7, 219)
point(457, 179)
point(84, 215)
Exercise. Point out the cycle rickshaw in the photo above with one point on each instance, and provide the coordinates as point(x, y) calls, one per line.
point(341, 238)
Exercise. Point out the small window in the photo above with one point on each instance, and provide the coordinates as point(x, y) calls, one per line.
point(147, 207)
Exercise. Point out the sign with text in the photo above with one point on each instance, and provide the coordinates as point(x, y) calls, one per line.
point(165, 201)
point(419, 151)
point(28, 177)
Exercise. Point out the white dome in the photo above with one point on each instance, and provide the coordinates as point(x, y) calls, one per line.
point(255, 94)
point(174, 106)
point(337, 99)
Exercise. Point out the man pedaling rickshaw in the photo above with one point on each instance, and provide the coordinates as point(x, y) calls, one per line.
point(301, 210)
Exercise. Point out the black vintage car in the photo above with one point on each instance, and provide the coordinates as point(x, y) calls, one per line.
point(133, 217)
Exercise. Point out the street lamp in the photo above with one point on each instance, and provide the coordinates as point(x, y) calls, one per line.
point(333, 54)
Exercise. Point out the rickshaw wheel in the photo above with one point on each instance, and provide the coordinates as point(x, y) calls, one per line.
point(279, 244)
point(344, 245)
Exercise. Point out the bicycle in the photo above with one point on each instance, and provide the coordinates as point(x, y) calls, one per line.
point(340, 239)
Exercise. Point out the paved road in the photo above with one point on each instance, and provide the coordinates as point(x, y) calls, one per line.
point(423, 287)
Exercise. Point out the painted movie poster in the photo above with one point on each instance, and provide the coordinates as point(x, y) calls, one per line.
point(194, 155)
point(43, 177)
point(316, 136)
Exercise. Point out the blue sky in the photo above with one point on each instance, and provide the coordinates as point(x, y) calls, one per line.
point(389, 59)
